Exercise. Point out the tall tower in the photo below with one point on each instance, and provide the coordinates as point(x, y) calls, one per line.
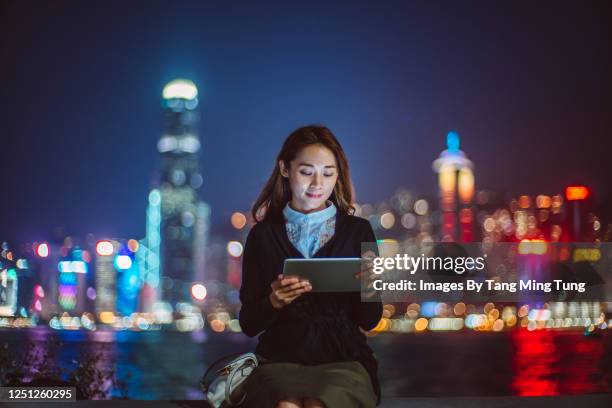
point(183, 218)
point(456, 184)
point(106, 277)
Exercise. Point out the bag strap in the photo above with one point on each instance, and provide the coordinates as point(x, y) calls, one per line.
point(230, 380)
point(202, 382)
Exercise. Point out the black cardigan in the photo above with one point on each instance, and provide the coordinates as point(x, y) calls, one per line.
point(316, 328)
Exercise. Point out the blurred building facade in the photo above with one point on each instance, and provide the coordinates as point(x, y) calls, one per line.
point(106, 276)
point(456, 190)
point(177, 220)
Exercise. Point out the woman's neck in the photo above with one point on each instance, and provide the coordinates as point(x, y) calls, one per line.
point(294, 207)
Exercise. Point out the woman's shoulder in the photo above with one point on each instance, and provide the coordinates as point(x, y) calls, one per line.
point(261, 228)
point(356, 222)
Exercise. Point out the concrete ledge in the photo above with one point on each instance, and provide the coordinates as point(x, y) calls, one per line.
point(577, 401)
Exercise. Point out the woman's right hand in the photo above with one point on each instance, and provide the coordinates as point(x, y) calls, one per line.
point(285, 289)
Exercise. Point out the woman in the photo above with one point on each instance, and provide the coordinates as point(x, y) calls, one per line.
point(313, 351)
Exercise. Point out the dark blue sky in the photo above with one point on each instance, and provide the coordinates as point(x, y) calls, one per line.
point(527, 87)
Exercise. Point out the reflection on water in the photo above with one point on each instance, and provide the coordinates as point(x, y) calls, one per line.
point(553, 363)
point(168, 365)
point(152, 365)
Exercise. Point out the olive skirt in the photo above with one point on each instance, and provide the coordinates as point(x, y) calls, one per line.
point(339, 385)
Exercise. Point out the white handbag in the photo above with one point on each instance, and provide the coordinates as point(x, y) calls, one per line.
point(227, 383)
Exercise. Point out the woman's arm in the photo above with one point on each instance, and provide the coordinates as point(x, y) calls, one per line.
point(256, 313)
point(366, 314)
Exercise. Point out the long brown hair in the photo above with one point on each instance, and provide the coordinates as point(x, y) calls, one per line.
point(277, 192)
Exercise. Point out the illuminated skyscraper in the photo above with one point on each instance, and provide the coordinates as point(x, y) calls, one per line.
point(8, 291)
point(128, 280)
point(73, 270)
point(177, 221)
point(9, 281)
point(456, 184)
point(106, 276)
point(47, 257)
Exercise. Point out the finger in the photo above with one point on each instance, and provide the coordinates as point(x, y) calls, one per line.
point(278, 295)
point(368, 255)
point(289, 288)
point(298, 285)
point(366, 267)
point(289, 299)
point(296, 295)
point(276, 285)
point(297, 291)
point(288, 280)
point(283, 288)
point(369, 273)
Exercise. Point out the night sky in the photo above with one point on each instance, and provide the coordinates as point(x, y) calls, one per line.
point(527, 86)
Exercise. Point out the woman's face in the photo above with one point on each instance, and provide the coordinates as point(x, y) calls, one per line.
point(312, 177)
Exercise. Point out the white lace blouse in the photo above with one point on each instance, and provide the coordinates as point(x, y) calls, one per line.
point(309, 232)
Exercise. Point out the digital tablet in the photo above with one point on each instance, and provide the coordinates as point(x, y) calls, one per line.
point(326, 274)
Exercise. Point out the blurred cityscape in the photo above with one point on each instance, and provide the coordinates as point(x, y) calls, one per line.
point(179, 278)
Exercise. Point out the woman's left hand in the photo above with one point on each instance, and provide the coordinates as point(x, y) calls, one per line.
point(367, 271)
